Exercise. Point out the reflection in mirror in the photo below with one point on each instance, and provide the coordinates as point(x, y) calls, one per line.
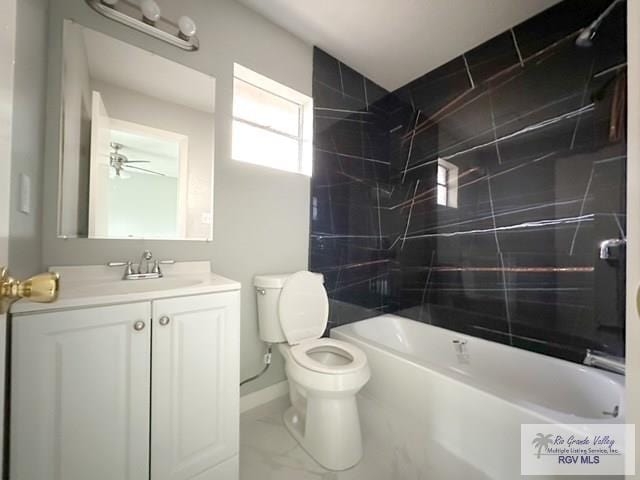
point(136, 149)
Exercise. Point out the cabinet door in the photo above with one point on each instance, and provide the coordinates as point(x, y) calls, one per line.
point(194, 385)
point(80, 394)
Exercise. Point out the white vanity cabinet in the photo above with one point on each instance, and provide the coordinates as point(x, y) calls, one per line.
point(194, 386)
point(133, 391)
point(80, 394)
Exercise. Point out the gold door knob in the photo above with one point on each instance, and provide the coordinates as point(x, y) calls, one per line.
point(42, 288)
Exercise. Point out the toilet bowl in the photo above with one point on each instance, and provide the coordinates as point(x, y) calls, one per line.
point(324, 374)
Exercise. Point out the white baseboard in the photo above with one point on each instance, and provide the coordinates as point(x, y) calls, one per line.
point(255, 399)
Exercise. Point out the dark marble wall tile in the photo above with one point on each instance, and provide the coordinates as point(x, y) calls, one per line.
point(524, 126)
point(493, 57)
point(556, 23)
point(350, 188)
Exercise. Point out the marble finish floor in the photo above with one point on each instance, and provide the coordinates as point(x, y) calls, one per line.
point(269, 452)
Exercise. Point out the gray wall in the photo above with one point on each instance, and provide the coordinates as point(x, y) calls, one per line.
point(28, 135)
point(261, 217)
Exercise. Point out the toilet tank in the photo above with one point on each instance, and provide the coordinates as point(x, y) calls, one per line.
point(268, 289)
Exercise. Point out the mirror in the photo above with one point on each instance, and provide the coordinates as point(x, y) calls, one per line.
point(136, 149)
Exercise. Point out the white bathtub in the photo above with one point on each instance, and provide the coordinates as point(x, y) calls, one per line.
point(443, 405)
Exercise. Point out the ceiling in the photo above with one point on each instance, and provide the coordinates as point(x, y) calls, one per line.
point(395, 41)
point(118, 63)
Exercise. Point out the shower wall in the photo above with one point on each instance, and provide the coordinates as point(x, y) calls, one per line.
point(475, 197)
point(350, 186)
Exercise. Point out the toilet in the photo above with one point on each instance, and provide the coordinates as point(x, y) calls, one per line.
point(324, 374)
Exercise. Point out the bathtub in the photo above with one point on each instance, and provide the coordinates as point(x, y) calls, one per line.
point(439, 396)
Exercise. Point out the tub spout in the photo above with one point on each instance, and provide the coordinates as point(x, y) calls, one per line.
point(607, 245)
point(460, 346)
point(604, 361)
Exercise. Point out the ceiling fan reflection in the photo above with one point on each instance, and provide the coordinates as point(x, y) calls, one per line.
point(121, 163)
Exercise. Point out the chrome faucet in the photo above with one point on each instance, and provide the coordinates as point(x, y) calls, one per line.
point(146, 258)
point(142, 271)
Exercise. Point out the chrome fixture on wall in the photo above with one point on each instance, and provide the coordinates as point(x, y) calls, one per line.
point(604, 361)
point(586, 36)
point(184, 36)
point(606, 246)
point(267, 363)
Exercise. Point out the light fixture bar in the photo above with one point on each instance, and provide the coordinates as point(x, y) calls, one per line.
point(191, 44)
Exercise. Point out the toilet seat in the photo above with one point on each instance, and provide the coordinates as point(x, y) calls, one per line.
point(303, 309)
point(354, 358)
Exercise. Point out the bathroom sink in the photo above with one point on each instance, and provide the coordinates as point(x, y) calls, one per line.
point(123, 287)
point(89, 285)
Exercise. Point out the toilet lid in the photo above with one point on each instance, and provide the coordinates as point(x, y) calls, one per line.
point(303, 307)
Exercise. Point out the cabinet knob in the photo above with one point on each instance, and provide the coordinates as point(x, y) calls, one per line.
point(139, 325)
point(164, 320)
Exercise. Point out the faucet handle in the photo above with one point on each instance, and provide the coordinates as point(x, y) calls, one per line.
point(129, 266)
point(157, 263)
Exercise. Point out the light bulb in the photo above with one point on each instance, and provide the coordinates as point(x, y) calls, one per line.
point(187, 27)
point(110, 3)
point(150, 11)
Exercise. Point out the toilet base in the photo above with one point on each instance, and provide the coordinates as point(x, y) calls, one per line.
point(329, 431)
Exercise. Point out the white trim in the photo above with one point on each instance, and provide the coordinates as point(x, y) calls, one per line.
point(305, 118)
point(265, 83)
point(632, 353)
point(266, 395)
point(7, 63)
point(99, 167)
point(183, 168)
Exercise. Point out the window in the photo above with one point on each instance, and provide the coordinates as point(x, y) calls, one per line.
point(272, 123)
point(443, 174)
point(447, 184)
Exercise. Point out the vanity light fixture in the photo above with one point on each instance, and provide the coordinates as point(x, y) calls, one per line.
point(150, 12)
point(183, 36)
point(187, 28)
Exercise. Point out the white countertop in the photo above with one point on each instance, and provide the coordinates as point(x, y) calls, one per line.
point(95, 285)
